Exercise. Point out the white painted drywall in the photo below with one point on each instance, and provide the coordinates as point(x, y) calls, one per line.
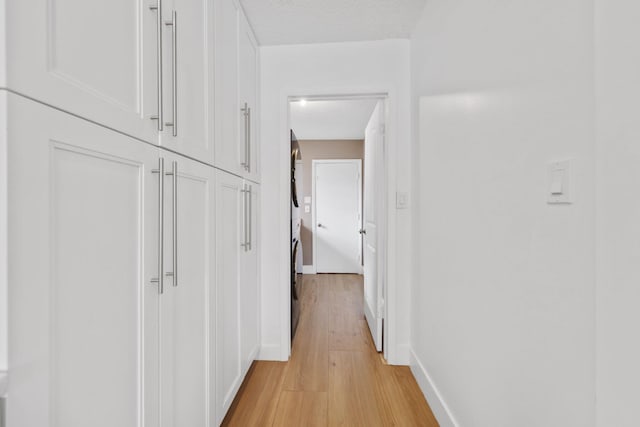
point(503, 305)
point(330, 119)
point(340, 68)
point(618, 208)
point(283, 22)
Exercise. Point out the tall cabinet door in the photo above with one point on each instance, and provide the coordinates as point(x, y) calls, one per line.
point(187, 303)
point(249, 277)
point(83, 215)
point(188, 78)
point(228, 152)
point(248, 99)
point(96, 59)
point(228, 241)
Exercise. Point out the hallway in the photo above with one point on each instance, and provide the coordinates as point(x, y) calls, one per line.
point(334, 376)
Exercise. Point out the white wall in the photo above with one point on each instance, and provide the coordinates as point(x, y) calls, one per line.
point(503, 311)
point(340, 68)
point(618, 314)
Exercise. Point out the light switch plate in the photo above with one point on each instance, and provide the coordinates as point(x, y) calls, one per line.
point(307, 208)
point(559, 182)
point(402, 200)
point(307, 200)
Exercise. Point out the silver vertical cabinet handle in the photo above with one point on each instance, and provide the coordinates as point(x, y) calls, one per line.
point(250, 217)
point(160, 117)
point(248, 139)
point(174, 186)
point(160, 279)
point(245, 113)
point(174, 70)
point(245, 241)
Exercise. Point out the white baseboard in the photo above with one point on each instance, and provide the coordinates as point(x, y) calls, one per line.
point(271, 352)
point(403, 354)
point(308, 269)
point(438, 406)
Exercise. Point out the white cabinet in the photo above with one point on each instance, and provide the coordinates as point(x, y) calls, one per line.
point(227, 148)
point(188, 81)
point(238, 294)
point(187, 303)
point(236, 144)
point(120, 63)
point(95, 219)
point(96, 59)
point(229, 238)
point(249, 277)
point(248, 97)
point(132, 291)
point(82, 214)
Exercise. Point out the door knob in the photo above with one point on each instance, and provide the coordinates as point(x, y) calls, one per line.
point(319, 225)
point(363, 231)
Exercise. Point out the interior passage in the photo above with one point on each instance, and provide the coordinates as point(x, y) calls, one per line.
point(334, 376)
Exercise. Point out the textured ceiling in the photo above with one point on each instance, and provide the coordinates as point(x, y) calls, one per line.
point(319, 21)
point(341, 119)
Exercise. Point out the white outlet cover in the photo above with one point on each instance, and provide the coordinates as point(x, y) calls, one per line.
point(559, 182)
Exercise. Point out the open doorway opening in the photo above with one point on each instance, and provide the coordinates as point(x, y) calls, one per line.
point(338, 204)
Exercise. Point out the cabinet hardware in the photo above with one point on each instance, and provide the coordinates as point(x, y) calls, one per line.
point(174, 184)
point(245, 227)
point(175, 222)
point(160, 117)
point(248, 139)
point(246, 112)
point(250, 217)
point(160, 279)
point(174, 70)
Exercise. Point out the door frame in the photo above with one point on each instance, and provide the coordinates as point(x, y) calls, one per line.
point(392, 350)
point(314, 203)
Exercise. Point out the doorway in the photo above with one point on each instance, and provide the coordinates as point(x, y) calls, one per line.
point(345, 230)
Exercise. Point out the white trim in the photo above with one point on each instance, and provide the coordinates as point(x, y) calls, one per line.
point(390, 96)
point(437, 404)
point(309, 269)
point(271, 352)
point(314, 205)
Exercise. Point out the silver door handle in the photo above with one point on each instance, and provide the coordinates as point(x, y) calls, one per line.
point(160, 117)
point(160, 279)
point(174, 70)
point(174, 185)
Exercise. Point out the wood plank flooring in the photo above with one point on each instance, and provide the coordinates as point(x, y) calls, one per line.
point(334, 376)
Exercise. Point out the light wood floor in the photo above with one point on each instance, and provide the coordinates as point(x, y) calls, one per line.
point(334, 376)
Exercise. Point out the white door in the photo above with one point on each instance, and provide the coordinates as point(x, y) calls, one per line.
point(188, 78)
point(337, 189)
point(247, 93)
point(229, 239)
point(186, 304)
point(83, 214)
point(373, 197)
point(249, 289)
point(228, 152)
point(94, 58)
